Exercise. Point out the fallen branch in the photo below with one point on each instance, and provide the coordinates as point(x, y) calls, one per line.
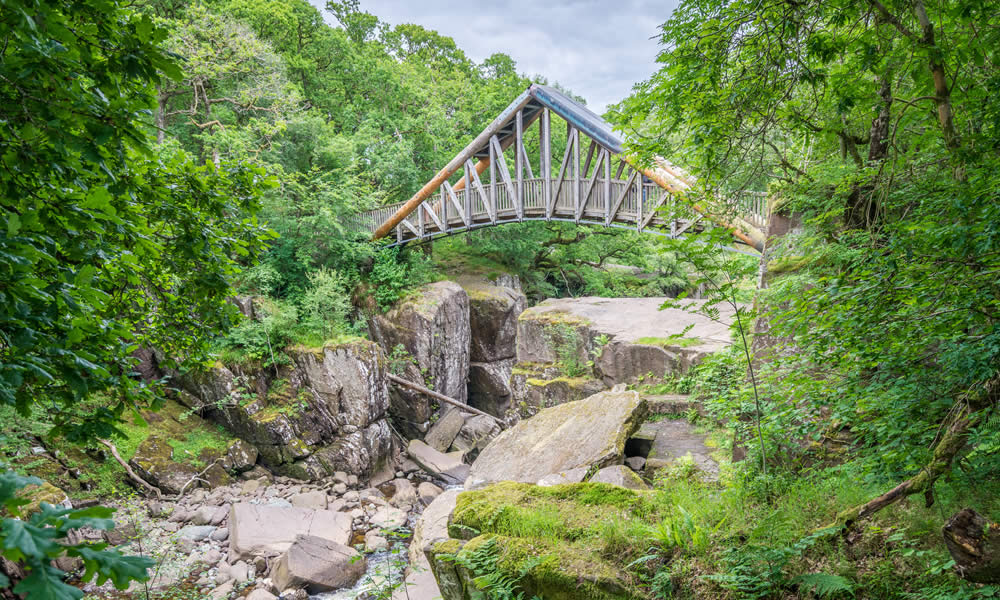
point(198, 477)
point(465, 407)
point(964, 417)
point(132, 474)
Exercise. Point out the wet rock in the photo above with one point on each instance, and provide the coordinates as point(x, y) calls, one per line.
point(405, 495)
point(432, 524)
point(589, 432)
point(443, 432)
point(433, 326)
point(375, 542)
point(388, 518)
point(256, 530)
point(318, 564)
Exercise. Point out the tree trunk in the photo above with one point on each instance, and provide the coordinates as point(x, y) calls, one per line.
point(974, 543)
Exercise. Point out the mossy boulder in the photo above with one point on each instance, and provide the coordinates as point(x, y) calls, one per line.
point(537, 386)
point(154, 462)
point(553, 541)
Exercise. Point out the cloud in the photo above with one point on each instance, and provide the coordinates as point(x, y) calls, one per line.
point(595, 48)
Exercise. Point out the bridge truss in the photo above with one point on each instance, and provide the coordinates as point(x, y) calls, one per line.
point(594, 183)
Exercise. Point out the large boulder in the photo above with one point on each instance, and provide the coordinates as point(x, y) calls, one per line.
point(262, 530)
point(317, 564)
point(446, 467)
point(493, 313)
point(432, 325)
point(626, 338)
point(154, 461)
point(326, 412)
point(489, 386)
point(537, 386)
point(432, 525)
point(590, 432)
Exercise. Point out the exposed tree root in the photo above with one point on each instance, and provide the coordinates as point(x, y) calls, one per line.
point(132, 474)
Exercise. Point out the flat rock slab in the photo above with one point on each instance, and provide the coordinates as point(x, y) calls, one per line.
point(258, 530)
point(675, 438)
point(629, 319)
point(319, 565)
point(589, 432)
point(448, 467)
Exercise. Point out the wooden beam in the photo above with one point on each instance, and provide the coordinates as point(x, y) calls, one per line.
point(527, 162)
point(491, 211)
point(621, 167)
point(563, 166)
point(638, 204)
point(449, 169)
point(421, 218)
point(444, 210)
point(621, 198)
point(590, 157)
point(576, 175)
point(654, 208)
point(519, 162)
point(607, 184)
point(505, 174)
point(590, 184)
point(454, 202)
point(545, 163)
point(468, 196)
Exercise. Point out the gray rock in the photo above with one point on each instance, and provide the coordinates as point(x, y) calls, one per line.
point(240, 456)
point(448, 467)
point(318, 564)
point(570, 476)
point(493, 312)
point(314, 499)
point(433, 326)
point(619, 475)
point(388, 518)
point(636, 463)
point(427, 492)
point(477, 432)
point(432, 524)
point(375, 542)
point(203, 516)
point(222, 591)
point(196, 532)
point(261, 594)
point(240, 572)
point(489, 386)
point(405, 494)
point(269, 531)
point(577, 434)
point(443, 432)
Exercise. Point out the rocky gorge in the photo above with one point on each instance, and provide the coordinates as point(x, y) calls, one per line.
point(327, 464)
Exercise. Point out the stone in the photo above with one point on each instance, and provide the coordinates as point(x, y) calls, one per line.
point(432, 324)
point(260, 565)
point(153, 461)
point(351, 496)
point(636, 463)
point(493, 313)
point(196, 533)
point(375, 542)
point(250, 487)
point(268, 531)
point(427, 492)
point(621, 476)
point(340, 488)
point(261, 594)
point(222, 591)
point(314, 499)
point(477, 432)
point(203, 516)
point(590, 432)
point(388, 518)
point(240, 456)
point(535, 387)
point(489, 386)
point(185, 546)
point(240, 572)
point(432, 524)
point(318, 564)
point(443, 432)
point(405, 494)
point(410, 410)
point(448, 467)
point(571, 476)
point(220, 535)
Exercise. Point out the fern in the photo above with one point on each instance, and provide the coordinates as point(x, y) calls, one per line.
point(825, 585)
point(487, 576)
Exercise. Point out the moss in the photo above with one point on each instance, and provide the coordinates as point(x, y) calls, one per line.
point(787, 264)
point(670, 342)
point(552, 317)
point(572, 382)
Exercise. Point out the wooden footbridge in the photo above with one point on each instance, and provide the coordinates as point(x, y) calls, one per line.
point(598, 186)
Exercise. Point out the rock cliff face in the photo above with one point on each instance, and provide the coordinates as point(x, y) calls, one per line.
point(324, 413)
point(493, 313)
point(432, 325)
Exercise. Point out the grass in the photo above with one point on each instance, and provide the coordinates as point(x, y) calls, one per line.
point(702, 535)
point(669, 342)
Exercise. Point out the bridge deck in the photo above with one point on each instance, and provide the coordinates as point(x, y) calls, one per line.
point(611, 205)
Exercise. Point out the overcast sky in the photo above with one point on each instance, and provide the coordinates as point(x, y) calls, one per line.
point(596, 48)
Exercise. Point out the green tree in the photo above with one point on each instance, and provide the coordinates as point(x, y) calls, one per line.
point(107, 245)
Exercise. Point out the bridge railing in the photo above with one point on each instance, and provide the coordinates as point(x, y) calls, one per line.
point(632, 209)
